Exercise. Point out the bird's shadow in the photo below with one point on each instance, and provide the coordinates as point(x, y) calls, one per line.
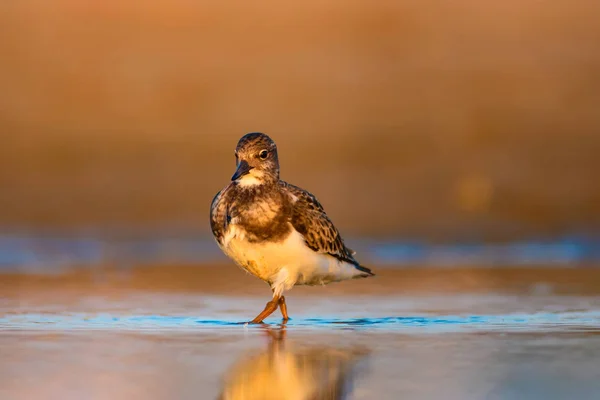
point(285, 370)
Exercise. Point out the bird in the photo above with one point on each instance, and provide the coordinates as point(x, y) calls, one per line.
point(276, 231)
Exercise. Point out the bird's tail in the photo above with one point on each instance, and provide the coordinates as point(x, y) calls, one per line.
point(366, 272)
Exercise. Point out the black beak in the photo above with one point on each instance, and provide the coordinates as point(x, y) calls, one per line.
point(242, 169)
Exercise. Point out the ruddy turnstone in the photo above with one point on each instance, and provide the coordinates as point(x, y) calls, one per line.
point(276, 231)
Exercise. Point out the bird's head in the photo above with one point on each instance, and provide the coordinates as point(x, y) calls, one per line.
point(256, 158)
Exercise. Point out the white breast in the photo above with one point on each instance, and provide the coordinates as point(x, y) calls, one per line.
point(286, 263)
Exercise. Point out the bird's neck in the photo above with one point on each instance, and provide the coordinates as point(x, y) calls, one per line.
point(257, 183)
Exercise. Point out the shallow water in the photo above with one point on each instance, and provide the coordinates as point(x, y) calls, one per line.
point(159, 345)
point(580, 321)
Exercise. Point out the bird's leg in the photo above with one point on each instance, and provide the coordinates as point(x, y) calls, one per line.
point(283, 308)
point(269, 309)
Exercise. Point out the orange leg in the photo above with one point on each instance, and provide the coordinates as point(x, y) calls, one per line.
point(283, 308)
point(269, 309)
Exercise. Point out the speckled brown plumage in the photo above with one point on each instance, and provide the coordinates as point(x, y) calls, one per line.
point(309, 218)
point(297, 206)
point(263, 212)
point(259, 220)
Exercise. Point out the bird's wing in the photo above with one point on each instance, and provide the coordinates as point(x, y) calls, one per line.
point(311, 221)
point(218, 215)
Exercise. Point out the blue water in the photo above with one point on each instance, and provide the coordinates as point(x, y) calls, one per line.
point(585, 321)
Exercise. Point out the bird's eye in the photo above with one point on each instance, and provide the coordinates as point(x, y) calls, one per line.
point(263, 154)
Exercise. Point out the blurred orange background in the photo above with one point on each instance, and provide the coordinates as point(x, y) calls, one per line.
point(454, 143)
point(443, 120)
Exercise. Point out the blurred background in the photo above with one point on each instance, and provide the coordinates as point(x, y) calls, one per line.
point(454, 143)
point(414, 122)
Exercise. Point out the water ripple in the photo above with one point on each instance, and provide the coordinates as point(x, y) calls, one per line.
point(564, 321)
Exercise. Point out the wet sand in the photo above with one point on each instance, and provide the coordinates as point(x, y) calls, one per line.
point(228, 280)
point(175, 332)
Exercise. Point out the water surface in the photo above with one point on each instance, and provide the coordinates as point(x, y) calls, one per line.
point(172, 345)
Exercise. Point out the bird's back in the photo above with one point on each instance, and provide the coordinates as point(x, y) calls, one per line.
point(310, 220)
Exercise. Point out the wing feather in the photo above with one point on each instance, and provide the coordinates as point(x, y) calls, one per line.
point(311, 221)
point(218, 215)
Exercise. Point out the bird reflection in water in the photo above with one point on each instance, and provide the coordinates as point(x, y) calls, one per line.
point(282, 372)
